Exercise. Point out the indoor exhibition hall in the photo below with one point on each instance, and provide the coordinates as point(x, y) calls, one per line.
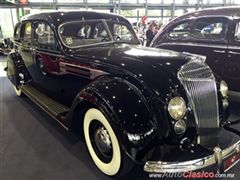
point(119, 89)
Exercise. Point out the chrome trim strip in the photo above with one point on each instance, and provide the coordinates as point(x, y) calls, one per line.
point(86, 45)
point(234, 52)
point(214, 159)
point(80, 70)
point(48, 53)
point(194, 44)
point(234, 47)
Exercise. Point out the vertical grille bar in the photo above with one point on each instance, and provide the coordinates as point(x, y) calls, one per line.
point(199, 84)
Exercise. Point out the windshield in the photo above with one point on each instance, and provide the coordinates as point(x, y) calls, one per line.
point(90, 32)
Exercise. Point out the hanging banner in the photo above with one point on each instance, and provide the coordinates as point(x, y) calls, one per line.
point(23, 2)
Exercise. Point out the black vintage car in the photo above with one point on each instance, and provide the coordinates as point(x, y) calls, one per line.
point(214, 33)
point(162, 109)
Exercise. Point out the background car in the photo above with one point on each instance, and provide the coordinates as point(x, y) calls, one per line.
point(5, 44)
point(131, 103)
point(214, 33)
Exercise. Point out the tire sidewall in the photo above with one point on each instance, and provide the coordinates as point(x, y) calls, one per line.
point(17, 91)
point(113, 167)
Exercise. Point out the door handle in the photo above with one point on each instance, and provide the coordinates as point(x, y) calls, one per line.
point(219, 51)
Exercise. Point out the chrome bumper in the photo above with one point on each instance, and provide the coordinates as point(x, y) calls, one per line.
point(214, 159)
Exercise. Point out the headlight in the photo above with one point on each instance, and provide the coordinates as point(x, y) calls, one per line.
point(177, 108)
point(224, 89)
point(180, 127)
point(225, 104)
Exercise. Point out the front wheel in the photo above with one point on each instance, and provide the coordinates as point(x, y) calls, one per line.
point(102, 143)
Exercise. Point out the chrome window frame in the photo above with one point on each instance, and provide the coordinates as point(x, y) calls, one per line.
point(96, 20)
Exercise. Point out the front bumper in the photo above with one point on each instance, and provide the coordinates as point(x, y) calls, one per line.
point(213, 160)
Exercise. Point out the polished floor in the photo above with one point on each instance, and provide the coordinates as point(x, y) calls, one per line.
point(34, 147)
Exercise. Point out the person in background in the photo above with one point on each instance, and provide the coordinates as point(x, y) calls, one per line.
point(149, 35)
point(156, 29)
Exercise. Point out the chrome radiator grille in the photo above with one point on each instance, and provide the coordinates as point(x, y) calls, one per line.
point(199, 84)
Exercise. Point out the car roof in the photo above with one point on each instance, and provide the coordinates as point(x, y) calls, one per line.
point(59, 17)
point(233, 11)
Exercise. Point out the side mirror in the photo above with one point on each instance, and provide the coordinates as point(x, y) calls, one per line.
point(6, 68)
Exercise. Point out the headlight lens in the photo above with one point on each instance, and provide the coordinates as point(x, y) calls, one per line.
point(224, 89)
point(180, 127)
point(177, 108)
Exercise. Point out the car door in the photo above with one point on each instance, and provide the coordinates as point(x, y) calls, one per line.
point(232, 63)
point(49, 62)
point(27, 46)
point(78, 69)
point(45, 54)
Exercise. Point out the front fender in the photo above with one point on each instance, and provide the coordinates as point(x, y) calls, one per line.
point(129, 112)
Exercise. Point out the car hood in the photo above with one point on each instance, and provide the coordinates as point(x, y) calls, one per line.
point(157, 68)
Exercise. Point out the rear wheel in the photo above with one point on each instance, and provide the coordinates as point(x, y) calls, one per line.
point(102, 143)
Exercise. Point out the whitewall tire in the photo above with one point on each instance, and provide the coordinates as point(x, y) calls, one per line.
point(111, 167)
point(18, 91)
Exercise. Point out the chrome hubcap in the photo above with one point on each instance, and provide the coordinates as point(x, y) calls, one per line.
point(103, 140)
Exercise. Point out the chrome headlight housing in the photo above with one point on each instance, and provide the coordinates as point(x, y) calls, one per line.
point(177, 108)
point(224, 89)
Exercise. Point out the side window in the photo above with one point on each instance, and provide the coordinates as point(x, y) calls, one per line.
point(27, 35)
point(100, 31)
point(180, 31)
point(210, 28)
point(44, 36)
point(80, 33)
point(84, 32)
point(237, 32)
point(122, 33)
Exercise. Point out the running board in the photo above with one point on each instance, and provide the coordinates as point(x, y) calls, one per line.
point(53, 108)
